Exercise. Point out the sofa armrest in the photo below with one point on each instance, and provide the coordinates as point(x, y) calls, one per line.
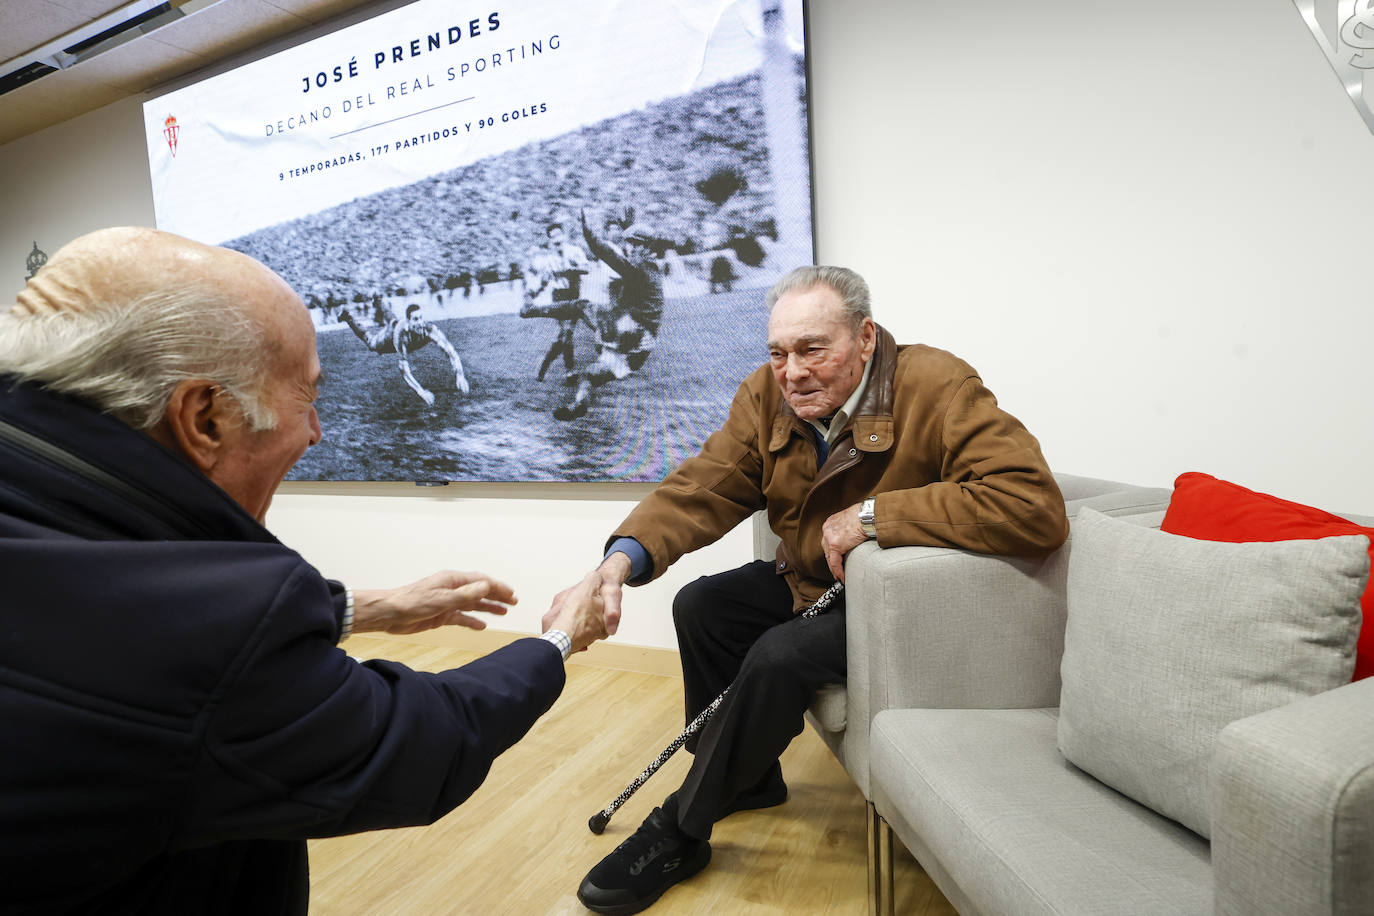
point(1110, 497)
point(950, 629)
point(1292, 797)
point(943, 628)
point(765, 541)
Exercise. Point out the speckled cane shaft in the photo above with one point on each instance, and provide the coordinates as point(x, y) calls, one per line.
point(600, 819)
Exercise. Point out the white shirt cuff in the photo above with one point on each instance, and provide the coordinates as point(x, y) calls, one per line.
point(561, 640)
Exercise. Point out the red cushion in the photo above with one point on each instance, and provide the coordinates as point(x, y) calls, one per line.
point(1209, 509)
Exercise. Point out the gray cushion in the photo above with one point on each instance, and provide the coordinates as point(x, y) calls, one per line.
point(1169, 639)
point(992, 811)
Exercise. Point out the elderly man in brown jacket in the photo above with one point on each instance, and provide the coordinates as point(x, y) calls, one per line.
point(844, 437)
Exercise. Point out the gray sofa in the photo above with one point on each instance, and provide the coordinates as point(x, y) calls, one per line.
point(949, 724)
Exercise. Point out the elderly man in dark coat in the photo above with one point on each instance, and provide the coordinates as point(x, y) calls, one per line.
point(178, 716)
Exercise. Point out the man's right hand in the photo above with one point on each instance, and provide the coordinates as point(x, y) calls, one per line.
point(605, 581)
point(579, 612)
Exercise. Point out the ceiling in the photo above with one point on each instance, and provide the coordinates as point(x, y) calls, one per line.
point(215, 31)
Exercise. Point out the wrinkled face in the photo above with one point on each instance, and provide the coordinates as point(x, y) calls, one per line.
point(817, 359)
point(256, 462)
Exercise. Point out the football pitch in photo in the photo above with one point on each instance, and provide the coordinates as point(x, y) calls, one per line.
point(637, 428)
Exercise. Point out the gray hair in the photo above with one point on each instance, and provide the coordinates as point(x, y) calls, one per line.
point(847, 284)
point(127, 358)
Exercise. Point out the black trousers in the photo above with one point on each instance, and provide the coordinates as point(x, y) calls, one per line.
point(737, 629)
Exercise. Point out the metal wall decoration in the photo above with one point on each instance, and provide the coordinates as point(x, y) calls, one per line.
point(36, 259)
point(1345, 31)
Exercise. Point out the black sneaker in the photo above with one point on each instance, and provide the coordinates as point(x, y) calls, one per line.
point(767, 793)
point(654, 858)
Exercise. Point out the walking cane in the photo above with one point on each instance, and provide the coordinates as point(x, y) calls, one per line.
point(598, 821)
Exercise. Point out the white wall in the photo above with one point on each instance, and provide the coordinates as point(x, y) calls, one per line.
point(1147, 225)
point(62, 182)
point(539, 537)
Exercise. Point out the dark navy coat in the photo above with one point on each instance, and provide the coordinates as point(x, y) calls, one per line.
point(175, 715)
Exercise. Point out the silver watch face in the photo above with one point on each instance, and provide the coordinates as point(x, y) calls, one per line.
point(866, 518)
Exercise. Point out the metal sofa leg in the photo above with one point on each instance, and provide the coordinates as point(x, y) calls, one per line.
point(880, 902)
point(885, 889)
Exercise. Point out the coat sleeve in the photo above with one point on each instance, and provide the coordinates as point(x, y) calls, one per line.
point(707, 495)
point(994, 494)
point(302, 741)
point(338, 597)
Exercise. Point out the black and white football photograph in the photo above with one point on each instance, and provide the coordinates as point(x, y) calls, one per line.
point(570, 306)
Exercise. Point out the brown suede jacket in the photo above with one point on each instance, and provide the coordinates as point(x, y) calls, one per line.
point(949, 468)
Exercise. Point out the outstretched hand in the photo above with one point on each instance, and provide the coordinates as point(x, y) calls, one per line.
point(606, 582)
point(579, 612)
point(442, 599)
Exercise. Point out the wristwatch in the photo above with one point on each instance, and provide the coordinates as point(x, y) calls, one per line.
point(866, 520)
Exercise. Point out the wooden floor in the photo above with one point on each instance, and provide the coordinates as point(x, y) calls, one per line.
point(521, 845)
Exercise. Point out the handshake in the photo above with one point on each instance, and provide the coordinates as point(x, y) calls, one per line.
point(593, 603)
point(587, 611)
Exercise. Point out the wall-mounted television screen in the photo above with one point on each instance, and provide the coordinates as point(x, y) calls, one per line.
point(535, 238)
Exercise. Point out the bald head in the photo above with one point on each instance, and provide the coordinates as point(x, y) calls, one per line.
point(120, 316)
point(121, 265)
